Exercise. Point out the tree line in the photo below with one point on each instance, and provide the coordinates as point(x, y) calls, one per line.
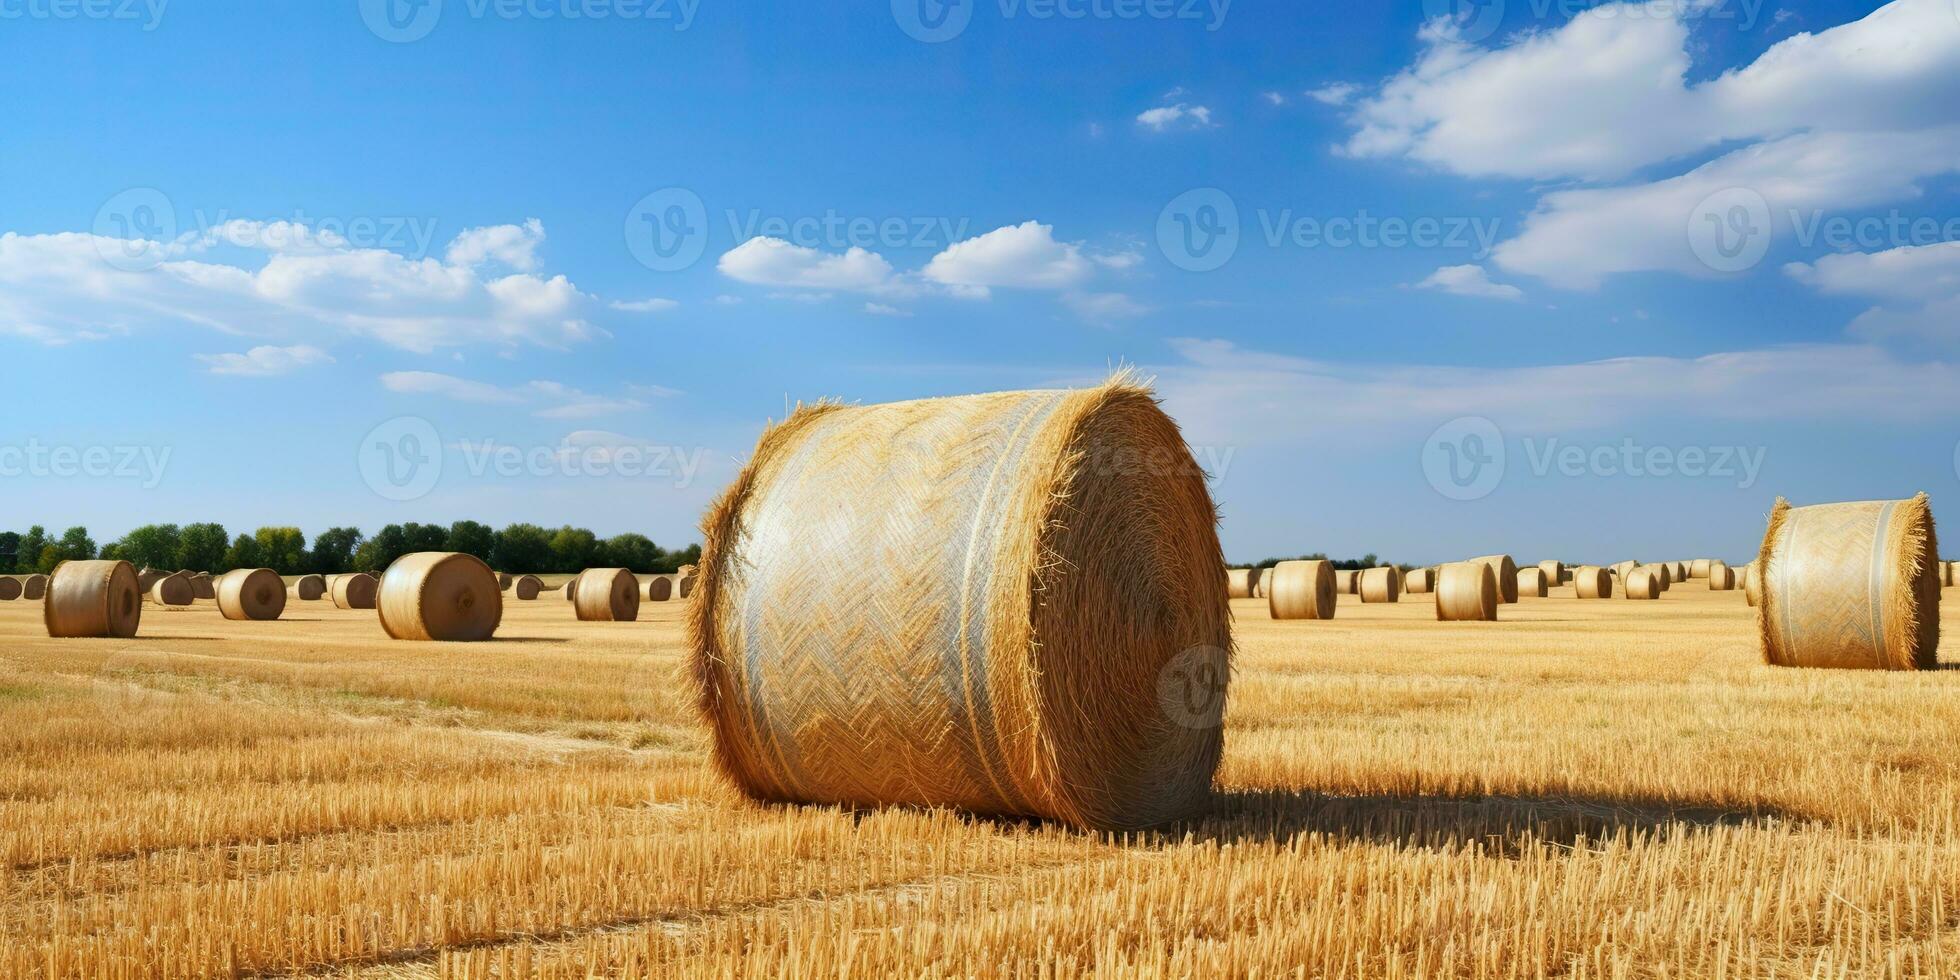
point(208, 548)
point(1344, 564)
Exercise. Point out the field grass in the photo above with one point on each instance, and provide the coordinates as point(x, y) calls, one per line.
point(1586, 789)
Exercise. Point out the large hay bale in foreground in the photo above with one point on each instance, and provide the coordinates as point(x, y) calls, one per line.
point(1850, 585)
point(1645, 582)
point(1506, 572)
point(524, 588)
point(659, 588)
point(251, 593)
point(1300, 590)
point(309, 587)
point(1592, 582)
point(1721, 578)
point(440, 595)
point(35, 586)
point(1466, 591)
point(93, 598)
point(171, 590)
point(607, 595)
point(1021, 611)
point(1381, 584)
point(1419, 581)
point(9, 588)
point(355, 591)
point(1532, 584)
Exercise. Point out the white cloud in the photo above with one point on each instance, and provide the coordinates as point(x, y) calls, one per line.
point(1917, 288)
point(551, 399)
point(266, 361)
point(447, 386)
point(1273, 98)
point(1469, 280)
point(1023, 256)
point(774, 262)
point(880, 309)
point(1103, 307)
point(513, 245)
point(650, 305)
point(1164, 117)
point(1334, 93)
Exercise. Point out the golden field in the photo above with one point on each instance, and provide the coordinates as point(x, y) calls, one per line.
point(1585, 789)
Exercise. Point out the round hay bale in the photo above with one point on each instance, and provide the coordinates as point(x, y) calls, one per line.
point(1554, 572)
point(355, 591)
point(36, 586)
point(440, 595)
point(607, 595)
point(1262, 583)
point(1663, 574)
point(1300, 590)
point(309, 587)
point(146, 579)
point(1050, 634)
point(1721, 578)
point(201, 586)
point(93, 598)
point(1645, 582)
point(171, 590)
point(1506, 572)
point(1850, 585)
point(1622, 569)
point(1238, 582)
point(1381, 585)
point(687, 570)
point(250, 593)
point(1531, 583)
point(659, 588)
point(505, 580)
point(9, 588)
point(1466, 591)
point(1677, 572)
point(524, 587)
point(1699, 568)
point(684, 589)
point(1419, 581)
point(1347, 581)
point(1592, 582)
point(1952, 573)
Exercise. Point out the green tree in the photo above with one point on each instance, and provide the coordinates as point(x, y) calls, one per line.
point(522, 548)
point(75, 545)
point(472, 538)
point(333, 550)
point(153, 546)
point(282, 549)
point(29, 550)
point(573, 549)
point(671, 561)
point(243, 553)
point(9, 550)
point(424, 537)
point(201, 548)
point(378, 552)
point(632, 551)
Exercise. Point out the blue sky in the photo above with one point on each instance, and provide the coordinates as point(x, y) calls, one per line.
point(251, 243)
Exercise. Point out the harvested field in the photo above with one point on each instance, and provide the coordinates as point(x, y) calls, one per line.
point(1582, 789)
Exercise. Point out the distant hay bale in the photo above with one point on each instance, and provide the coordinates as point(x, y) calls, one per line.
point(1554, 572)
point(1347, 581)
point(1381, 584)
point(201, 586)
point(505, 580)
point(607, 595)
point(1752, 584)
point(1506, 572)
point(1419, 581)
point(9, 588)
point(1238, 582)
point(309, 587)
point(1677, 572)
point(1020, 610)
point(1663, 574)
point(440, 595)
point(1531, 583)
point(1645, 582)
point(172, 590)
point(684, 589)
point(522, 587)
point(93, 599)
point(147, 577)
point(1952, 574)
point(1721, 578)
point(659, 588)
point(687, 570)
point(1592, 582)
point(250, 593)
point(569, 591)
point(1300, 590)
point(1850, 585)
point(1466, 591)
point(1621, 570)
point(1699, 567)
point(35, 586)
point(1262, 583)
point(355, 591)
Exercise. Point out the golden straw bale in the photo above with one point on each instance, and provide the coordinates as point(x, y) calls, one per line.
point(1645, 582)
point(505, 580)
point(1262, 583)
point(1300, 590)
point(250, 593)
point(684, 589)
point(524, 587)
point(1238, 582)
point(1347, 581)
point(1506, 572)
point(1621, 570)
point(9, 588)
point(93, 598)
point(1381, 584)
point(35, 586)
point(1466, 591)
point(440, 595)
point(1554, 571)
point(607, 595)
point(1531, 583)
point(1021, 610)
point(1699, 567)
point(1677, 572)
point(659, 588)
point(1592, 582)
point(171, 590)
point(1850, 585)
point(309, 587)
point(201, 586)
point(146, 579)
point(1419, 581)
point(1721, 578)
point(354, 591)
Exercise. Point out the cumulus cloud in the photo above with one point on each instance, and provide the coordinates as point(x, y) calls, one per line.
point(1917, 288)
point(266, 361)
point(880, 309)
point(1023, 256)
point(513, 245)
point(1469, 280)
point(1179, 115)
point(775, 262)
point(650, 305)
point(548, 399)
point(1103, 307)
point(1334, 93)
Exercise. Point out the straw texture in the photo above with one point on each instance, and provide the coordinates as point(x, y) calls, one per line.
point(1721, 578)
point(250, 593)
point(1419, 581)
point(1532, 583)
point(1506, 572)
point(1238, 582)
point(1592, 582)
point(93, 598)
point(440, 595)
point(1554, 572)
point(1850, 585)
point(1021, 610)
point(523, 587)
point(1699, 568)
point(1347, 581)
point(355, 591)
point(34, 587)
point(172, 590)
point(659, 588)
point(1381, 585)
point(1300, 590)
point(1466, 591)
point(607, 595)
point(1645, 582)
point(309, 587)
point(9, 588)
